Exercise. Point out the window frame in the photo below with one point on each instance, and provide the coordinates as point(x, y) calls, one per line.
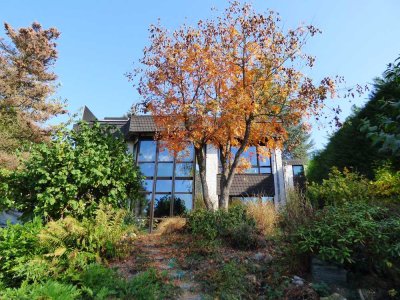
point(258, 166)
point(173, 178)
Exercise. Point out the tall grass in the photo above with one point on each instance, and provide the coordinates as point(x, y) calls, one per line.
point(265, 216)
point(297, 211)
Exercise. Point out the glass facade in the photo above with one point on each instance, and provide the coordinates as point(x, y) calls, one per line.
point(259, 164)
point(169, 180)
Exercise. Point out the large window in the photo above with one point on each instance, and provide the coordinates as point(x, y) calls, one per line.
point(260, 164)
point(169, 180)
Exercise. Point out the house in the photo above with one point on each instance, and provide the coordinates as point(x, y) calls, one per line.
point(171, 184)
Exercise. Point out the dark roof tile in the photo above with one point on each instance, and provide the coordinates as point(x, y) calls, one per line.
point(250, 185)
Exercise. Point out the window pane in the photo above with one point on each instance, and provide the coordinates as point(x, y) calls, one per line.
point(182, 204)
point(147, 169)
point(251, 155)
point(265, 170)
point(183, 186)
point(165, 155)
point(186, 155)
point(144, 208)
point(147, 151)
point(164, 186)
point(164, 170)
point(148, 185)
point(251, 171)
point(265, 161)
point(162, 204)
point(184, 169)
point(298, 170)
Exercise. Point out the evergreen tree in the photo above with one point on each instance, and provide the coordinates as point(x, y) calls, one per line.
point(353, 146)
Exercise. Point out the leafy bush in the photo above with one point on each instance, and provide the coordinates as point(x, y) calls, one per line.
point(39, 291)
point(18, 244)
point(245, 237)
point(100, 282)
point(73, 174)
point(356, 235)
point(340, 187)
point(387, 183)
point(69, 245)
point(214, 224)
point(61, 249)
point(265, 216)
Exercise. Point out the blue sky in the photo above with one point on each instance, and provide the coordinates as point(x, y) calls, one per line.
point(100, 40)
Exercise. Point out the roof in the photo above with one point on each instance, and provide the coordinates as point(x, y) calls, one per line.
point(294, 162)
point(142, 124)
point(250, 185)
point(134, 124)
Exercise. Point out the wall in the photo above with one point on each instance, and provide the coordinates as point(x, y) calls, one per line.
point(211, 173)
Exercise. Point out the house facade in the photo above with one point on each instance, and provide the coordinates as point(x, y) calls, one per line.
point(172, 184)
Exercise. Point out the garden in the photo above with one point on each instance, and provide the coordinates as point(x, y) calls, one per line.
point(76, 185)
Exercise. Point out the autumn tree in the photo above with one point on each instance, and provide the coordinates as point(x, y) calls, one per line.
point(233, 81)
point(26, 84)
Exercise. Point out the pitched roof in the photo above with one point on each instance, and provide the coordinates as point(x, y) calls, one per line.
point(250, 185)
point(142, 124)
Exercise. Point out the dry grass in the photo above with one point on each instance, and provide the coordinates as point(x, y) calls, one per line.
point(265, 215)
point(171, 225)
point(297, 211)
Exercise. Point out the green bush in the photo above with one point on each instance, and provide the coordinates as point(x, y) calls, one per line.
point(229, 282)
point(339, 188)
point(99, 282)
point(40, 291)
point(387, 184)
point(214, 224)
point(245, 237)
point(61, 249)
point(73, 174)
point(18, 244)
point(362, 237)
point(70, 245)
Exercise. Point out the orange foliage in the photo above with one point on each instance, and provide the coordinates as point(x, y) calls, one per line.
point(233, 81)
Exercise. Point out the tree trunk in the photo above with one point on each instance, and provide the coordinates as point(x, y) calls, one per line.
point(225, 187)
point(200, 156)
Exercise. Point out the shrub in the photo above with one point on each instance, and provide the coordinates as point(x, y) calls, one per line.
point(99, 282)
point(151, 285)
point(340, 187)
point(70, 245)
point(213, 224)
point(356, 235)
point(18, 244)
point(264, 215)
point(245, 237)
point(32, 253)
point(387, 183)
point(73, 174)
point(39, 291)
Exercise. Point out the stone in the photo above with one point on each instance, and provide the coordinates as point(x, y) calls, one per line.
point(328, 273)
point(259, 256)
point(251, 278)
point(334, 296)
point(298, 281)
